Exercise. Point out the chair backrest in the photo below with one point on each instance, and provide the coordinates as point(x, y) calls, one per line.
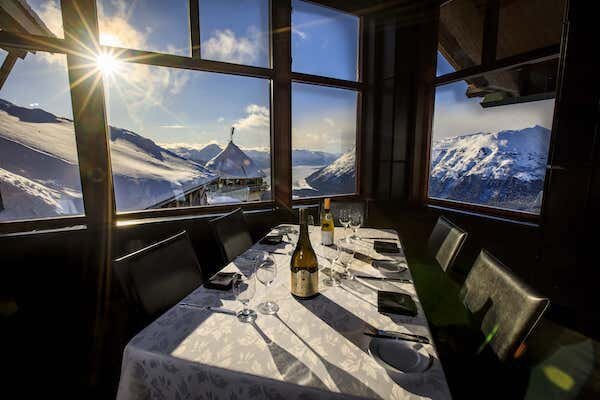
point(232, 233)
point(445, 242)
point(508, 308)
point(358, 206)
point(156, 277)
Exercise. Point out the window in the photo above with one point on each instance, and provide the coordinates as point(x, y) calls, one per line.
point(491, 132)
point(235, 31)
point(323, 34)
point(152, 25)
point(324, 118)
point(171, 137)
point(36, 17)
point(323, 140)
point(39, 172)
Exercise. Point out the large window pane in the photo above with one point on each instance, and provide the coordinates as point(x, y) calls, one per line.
point(36, 17)
point(235, 31)
point(324, 41)
point(460, 35)
point(517, 32)
point(39, 173)
point(153, 25)
point(491, 137)
point(171, 143)
point(323, 140)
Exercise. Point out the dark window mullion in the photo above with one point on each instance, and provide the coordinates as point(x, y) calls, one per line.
point(195, 28)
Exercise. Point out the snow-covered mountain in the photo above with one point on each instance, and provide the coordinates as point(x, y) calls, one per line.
point(503, 169)
point(338, 177)
point(39, 173)
point(262, 158)
point(201, 156)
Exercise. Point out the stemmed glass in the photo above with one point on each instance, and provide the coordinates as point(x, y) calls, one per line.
point(266, 271)
point(244, 288)
point(345, 256)
point(333, 276)
point(344, 218)
point(356, 221)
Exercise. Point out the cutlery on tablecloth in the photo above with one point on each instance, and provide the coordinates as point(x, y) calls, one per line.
point(383, 278)
point(378, 238)
point(209, 308)
point(378, 333)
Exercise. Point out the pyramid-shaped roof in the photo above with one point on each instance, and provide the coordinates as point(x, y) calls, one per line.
point(233, 163)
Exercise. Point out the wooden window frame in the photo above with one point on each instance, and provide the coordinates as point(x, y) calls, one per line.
point(80, 22)
point(357, 86)
point(489, 64)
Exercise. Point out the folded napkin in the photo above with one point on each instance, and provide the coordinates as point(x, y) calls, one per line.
point(395, 303)
point(272, 239)
point(385, 247)
point(221, 281)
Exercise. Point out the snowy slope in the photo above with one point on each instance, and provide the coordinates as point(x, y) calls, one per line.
point(40, 174)
point(337, 177)
point(502, 169)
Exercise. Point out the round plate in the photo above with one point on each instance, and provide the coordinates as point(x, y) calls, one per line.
point(400, 356)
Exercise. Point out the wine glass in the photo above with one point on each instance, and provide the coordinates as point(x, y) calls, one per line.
point(311, 223)
point(344, 218)
point(356, 221)
point(333, 276)
point(266, 271)
point(345, 256)
point(244, 288)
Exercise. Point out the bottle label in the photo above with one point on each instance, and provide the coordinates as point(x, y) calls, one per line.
point(327, 238)
point(305, 283)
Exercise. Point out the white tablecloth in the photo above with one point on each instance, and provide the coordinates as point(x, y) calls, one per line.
point(311, 349)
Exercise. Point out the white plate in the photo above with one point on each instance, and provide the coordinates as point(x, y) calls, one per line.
point(400, 356)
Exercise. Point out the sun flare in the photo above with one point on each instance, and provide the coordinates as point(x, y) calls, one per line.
point(107, 63)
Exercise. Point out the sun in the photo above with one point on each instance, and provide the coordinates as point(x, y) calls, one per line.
point(107, 63)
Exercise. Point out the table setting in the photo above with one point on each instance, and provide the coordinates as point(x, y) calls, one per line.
point(363, 336)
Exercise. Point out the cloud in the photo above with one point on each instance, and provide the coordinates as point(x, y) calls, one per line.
point(301, 34)
point(173, 126)
point(49, 12)
point(257, 117)
point(224, 45)
point(220, 120)
point(34, 105)
point(329, 122)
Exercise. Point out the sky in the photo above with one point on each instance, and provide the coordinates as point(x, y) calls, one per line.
point(456, 115)
point(192, 108)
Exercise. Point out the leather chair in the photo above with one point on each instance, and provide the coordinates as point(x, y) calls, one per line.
point(232, 233)
point(158, 276)
point(507, 308)
point(354, 206)
point(445, 243)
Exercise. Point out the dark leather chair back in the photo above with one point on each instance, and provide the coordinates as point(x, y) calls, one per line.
point(508, 309)
point(445, 242)
point(156, 277)
point(232, 233)
point(354, 206)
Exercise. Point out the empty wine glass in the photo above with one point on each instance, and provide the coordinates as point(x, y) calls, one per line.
point(244, 288)
point(266, 271)
point(311, 222)
point(333, 275)
point(345, 256)
point(356, 221)
point(344, 218)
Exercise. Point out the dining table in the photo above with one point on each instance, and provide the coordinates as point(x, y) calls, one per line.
point(310, 349)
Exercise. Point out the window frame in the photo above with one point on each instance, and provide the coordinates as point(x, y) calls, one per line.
point(358, 86)
point(81, 16)
point(489, 64)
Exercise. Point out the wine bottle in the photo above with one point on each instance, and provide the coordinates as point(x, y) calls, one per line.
point(304, 264)
point(327, 226)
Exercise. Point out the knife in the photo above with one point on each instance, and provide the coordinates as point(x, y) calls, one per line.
point(209, 308)
point(397, 336)
point(381, 278)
